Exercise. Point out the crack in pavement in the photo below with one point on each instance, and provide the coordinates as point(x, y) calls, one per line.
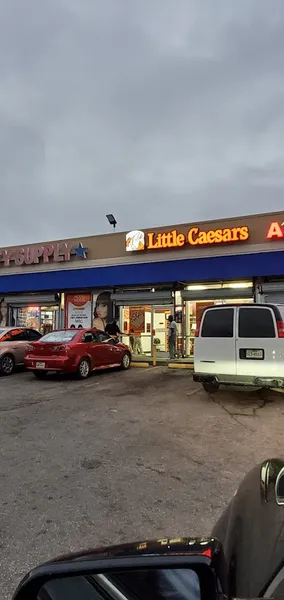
point(262, 402)
point(232, 415)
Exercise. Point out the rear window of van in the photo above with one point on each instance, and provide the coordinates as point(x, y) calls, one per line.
point(218, 323)
point(256, 322)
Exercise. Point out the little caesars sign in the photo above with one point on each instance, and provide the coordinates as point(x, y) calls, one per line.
point(33, 255)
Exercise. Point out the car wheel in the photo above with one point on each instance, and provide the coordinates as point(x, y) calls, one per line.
point(84, 368)
point(40, 374)
point(212, 387)
point(7, 364)
point(126, 360)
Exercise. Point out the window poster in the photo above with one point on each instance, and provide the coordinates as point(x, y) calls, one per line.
point(27, 316)
point(3, 312)
point(103, 310)
point(137, 319)
point(78, 312)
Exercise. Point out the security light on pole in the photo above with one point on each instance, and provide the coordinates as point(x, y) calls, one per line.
point(112, 220)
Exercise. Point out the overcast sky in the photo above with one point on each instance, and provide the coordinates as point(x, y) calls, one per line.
point(160, 111)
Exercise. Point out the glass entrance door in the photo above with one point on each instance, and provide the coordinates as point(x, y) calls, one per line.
point(160, 316)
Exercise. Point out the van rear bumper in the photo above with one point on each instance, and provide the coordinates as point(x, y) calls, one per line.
point(264, 382)
point(269, 382)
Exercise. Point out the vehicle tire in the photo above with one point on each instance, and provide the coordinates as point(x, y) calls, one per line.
point(211, 387)
point(84, 368)
point(40, 374)
point(126, 361)
point(7, 364)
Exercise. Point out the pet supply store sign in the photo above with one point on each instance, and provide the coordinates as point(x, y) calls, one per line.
point(34, 255)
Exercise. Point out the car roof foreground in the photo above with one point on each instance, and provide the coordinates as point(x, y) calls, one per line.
point(204, 552)
point(206, 546)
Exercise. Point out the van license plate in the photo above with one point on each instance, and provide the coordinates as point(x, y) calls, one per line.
point(258, 354)
point(40, 365)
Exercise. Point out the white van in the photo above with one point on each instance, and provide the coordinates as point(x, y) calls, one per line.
point(241, 345)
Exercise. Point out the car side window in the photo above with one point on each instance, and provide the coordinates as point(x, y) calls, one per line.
point(33, 335)
point(15, 335)
point(19, 336)
point(256, 323)
point(88, 337)
point(101, 337)
point(218, 323)
point(6, 337)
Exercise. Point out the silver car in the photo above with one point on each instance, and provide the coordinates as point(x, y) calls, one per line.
point(13, 343)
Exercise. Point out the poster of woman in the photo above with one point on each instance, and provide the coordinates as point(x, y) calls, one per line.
point(103, 310)
point(3, 312)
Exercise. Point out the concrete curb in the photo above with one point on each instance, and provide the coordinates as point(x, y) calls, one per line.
point(180, 366)
point(143, 365)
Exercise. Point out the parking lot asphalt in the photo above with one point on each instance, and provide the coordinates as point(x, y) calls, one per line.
point(119, 457)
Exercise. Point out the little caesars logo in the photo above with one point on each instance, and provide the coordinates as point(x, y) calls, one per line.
point(135, 241)
point(138, 240)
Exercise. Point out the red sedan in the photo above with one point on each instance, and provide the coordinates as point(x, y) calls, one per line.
point(76, 351)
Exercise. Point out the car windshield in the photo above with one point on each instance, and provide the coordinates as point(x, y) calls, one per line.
point(59, 336)
point(2, 331)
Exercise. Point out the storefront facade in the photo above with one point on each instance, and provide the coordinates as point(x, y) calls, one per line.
point(141, 277)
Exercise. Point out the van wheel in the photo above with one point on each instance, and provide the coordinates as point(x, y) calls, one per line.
point(7, 364)
point(212, 387)
point(84, 368)
point(126, 360)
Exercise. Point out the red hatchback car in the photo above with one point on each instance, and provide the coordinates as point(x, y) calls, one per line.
point(76, 351)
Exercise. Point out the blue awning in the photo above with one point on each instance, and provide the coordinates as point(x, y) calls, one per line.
point(230, 267)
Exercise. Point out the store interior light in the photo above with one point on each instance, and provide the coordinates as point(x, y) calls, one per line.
point(240, 285)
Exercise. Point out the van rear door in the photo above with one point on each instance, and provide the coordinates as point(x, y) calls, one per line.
point(257, 342)
point(214, 347)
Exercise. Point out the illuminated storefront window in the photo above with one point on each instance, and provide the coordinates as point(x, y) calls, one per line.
point(222, 293)
point(41, 318)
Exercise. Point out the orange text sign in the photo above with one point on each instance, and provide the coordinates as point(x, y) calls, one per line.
point(275, 231)
point(197, 237)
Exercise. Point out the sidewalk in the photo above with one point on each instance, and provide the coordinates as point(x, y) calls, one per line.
point(147, 360)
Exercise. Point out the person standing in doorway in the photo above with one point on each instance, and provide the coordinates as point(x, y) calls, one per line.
point(137, 349)
point(113, 329)
point(172, 335)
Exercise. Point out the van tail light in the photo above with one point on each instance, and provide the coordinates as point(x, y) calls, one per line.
point(280, 328)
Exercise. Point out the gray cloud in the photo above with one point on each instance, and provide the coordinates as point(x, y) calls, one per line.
point(161, 112)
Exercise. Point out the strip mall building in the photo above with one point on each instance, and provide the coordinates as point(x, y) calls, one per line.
point(142, 276)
